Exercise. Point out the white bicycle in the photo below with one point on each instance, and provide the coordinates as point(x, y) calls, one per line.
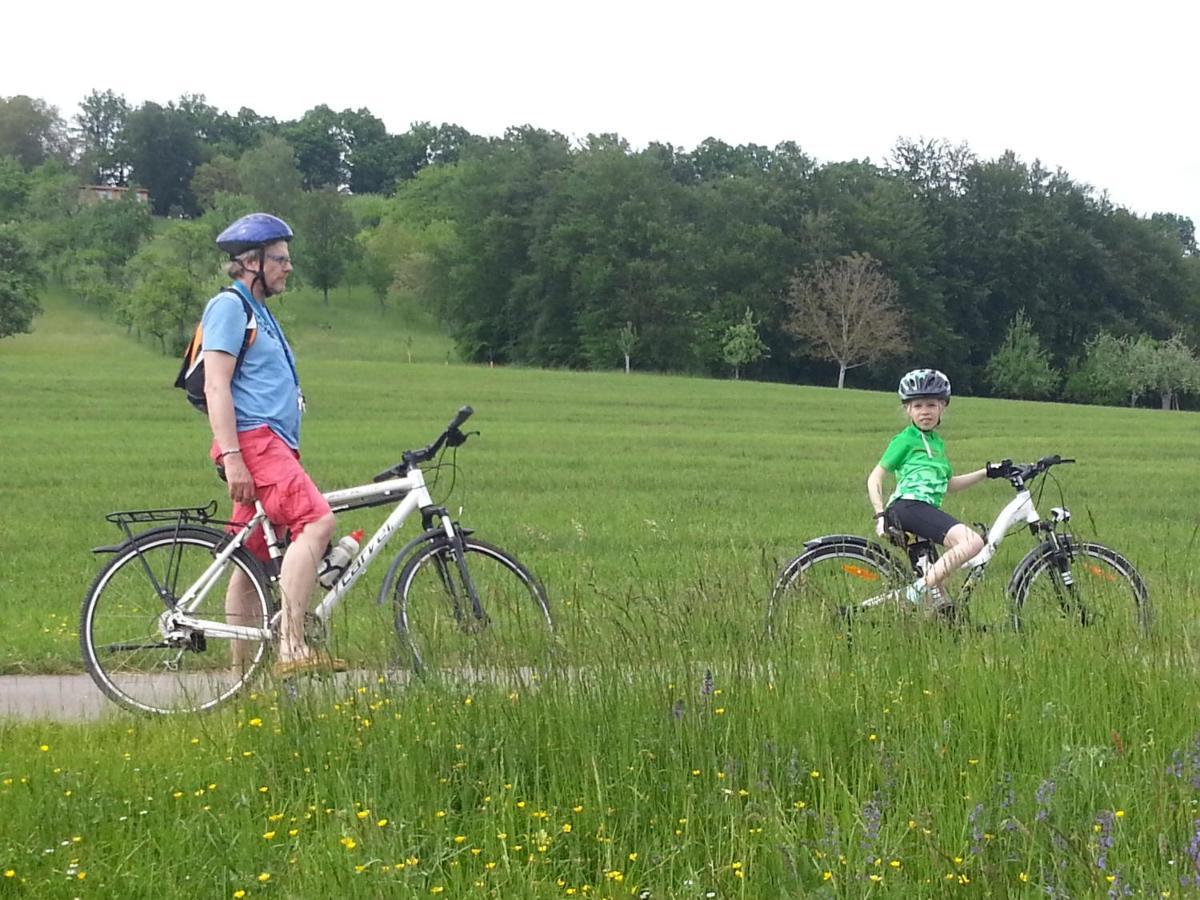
point(156, 638)
point(1062, 579)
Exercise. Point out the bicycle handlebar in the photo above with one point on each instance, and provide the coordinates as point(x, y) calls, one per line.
point(451, 437)
point(1019, 473)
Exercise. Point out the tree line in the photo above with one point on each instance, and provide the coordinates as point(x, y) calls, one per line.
point(535, 249)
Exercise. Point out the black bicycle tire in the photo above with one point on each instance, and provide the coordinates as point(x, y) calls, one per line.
point(128, 554)
point(850, 548)
point(1043, 558)
point(440, 544)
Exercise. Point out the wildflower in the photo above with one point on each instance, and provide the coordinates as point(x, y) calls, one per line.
point(348, 842)
point(362, 814)
point(566, 828)
point(255, 723)
point(382, 823)
point(264, 877)
point(45, 748)
point(10, 873)
point(239, 894)
point(268, 835)
point(459, 839)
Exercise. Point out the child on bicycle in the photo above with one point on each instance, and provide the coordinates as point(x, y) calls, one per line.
point(917, 457)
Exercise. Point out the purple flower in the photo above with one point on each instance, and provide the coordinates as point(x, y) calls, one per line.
point(1045, 793)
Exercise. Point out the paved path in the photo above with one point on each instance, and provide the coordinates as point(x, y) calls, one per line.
point(61, 698)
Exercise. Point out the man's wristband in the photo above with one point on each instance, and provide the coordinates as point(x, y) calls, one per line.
point(226, 453)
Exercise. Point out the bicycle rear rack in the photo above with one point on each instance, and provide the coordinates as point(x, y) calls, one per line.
point(180, 515)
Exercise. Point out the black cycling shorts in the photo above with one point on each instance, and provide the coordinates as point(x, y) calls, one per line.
point(922, 519)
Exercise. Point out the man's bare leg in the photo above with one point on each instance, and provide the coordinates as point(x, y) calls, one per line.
point(297, 576)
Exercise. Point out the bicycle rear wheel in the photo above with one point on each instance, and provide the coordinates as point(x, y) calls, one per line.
point(829, 583)
point(123, 644)
point(439, 623)
point(1080, 584)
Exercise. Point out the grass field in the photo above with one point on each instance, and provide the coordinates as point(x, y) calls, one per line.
point(678, 752)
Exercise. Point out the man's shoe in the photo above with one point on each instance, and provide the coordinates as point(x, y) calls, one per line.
point(286, 668)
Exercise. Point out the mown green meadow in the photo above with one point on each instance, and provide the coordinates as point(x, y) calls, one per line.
point(673, 750)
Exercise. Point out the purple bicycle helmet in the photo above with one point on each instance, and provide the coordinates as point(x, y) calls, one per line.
point(255, 230)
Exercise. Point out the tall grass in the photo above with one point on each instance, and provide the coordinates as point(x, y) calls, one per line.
point(669, 747)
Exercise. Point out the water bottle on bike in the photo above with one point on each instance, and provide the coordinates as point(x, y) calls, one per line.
point(339, 556)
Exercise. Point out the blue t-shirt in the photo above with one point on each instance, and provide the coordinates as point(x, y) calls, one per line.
point(266, 388)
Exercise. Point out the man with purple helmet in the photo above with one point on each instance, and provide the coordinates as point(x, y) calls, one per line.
point(254, 410)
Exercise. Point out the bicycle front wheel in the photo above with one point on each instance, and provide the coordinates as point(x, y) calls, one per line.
point(1082, 584)
point(831, 582)
point(127, 648)
point(482, 608)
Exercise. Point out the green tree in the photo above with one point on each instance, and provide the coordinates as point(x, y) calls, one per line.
point(742, 345)
point(1021, 366)
point(324, 238)
point(31, 131)
point(171, 277)
point(99, 125)
point(321, 144)
point(217, 176)
point(14, 188)
point(1172, 369)
point(269, 174)
point(19, 280)
point(163, 151)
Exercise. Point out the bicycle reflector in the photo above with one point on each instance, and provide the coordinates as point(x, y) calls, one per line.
point(860, 572)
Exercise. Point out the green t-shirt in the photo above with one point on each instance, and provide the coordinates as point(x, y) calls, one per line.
point(918, 460)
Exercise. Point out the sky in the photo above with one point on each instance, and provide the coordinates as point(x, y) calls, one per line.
point(1105, 91)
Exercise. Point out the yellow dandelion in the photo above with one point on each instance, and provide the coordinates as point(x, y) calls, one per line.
point(490, 864)
point(436, 889)
point(1120, 814)
point(264, 877)
point(633, 856)
point(895, 864)
point(566, 828)
point(826, 875)
point(255, 723)
point(1023, 877)
point(719, 711)
point(876, 877)
point(577, 809)
point(292, 832)
point(239, 894)
point(348, 842)
point(268, 835)
point(10, 873)
point(460, 839)
point(45, 748)
point(382, 823)
point(81, 875)
point(815, 773)
point(362, 814)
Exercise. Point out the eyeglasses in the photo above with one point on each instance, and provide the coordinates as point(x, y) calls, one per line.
point(283, 260)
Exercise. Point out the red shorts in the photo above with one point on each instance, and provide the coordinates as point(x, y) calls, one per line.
point(284, 488)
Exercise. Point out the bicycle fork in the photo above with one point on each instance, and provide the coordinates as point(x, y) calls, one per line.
point(455, 587)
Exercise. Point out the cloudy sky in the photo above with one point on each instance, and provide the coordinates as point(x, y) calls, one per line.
point(1105, 91)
